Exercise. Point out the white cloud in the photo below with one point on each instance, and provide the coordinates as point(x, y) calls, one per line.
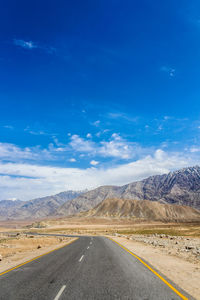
point(14, 153)
point(94, 162)
point(26, 181)
point(81, 145)
point(72, 160)
point(116, 147)
point(89, 136)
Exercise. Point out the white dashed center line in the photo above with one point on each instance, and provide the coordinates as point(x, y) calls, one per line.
point(60, 292)
point(81, 258)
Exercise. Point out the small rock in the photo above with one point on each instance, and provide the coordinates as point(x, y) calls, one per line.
point(189, 247)
point(38, 247)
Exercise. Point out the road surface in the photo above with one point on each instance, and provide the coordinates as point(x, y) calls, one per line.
point(89, 268)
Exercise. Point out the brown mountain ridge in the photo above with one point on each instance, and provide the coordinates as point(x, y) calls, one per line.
point(143, 209)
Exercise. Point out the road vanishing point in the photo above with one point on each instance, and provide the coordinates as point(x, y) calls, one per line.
point(88, 268)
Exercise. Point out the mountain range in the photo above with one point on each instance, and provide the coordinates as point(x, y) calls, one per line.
point(180, 187)
point(36, 208)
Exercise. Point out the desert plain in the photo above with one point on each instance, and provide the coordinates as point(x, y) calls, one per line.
point(172, 249)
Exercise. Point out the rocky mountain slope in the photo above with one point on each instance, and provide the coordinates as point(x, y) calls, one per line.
point(88, 200)
point(36, 208)
point(180, 187)
point(143, 209)
point(8, 206)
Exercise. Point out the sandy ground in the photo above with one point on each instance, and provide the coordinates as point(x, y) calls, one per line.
point(184, 273)
point(15, 251)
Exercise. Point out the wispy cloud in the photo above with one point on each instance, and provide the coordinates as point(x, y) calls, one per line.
point(194, 149)
point(30, 45)
point(170, 71)
point(8, 127)
point(39, 132)
point(25, 44)
point(122, 116)
point(96, 123)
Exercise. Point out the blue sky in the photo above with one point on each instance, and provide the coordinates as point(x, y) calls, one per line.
point(96, 92)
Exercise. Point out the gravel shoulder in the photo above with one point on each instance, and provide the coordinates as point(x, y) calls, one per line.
point(182, 267)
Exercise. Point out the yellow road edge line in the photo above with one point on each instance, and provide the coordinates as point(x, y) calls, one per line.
point(28, 261)
point(152, 270)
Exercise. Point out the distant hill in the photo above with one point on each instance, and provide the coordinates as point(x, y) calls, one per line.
point(143, 209)
point(36, 208)
point(180, 187)
point(88, 200)
point(8, 206)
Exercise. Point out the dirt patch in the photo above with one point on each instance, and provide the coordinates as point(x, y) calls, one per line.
point(182, 270)
point(18, 248)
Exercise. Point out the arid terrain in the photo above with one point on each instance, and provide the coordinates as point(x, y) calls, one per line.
point(171, 248)
point(17, 247)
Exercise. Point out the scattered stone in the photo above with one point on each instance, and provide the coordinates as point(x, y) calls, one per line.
point(189, 247)
point(180, 246)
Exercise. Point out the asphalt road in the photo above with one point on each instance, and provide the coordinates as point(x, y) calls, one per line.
point(89, 268)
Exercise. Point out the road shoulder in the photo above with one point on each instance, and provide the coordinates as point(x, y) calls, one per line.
point(182, 273)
